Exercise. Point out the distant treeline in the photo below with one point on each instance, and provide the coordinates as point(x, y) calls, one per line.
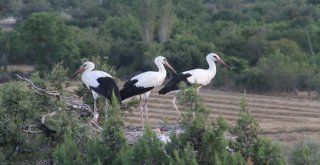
point(271, 45)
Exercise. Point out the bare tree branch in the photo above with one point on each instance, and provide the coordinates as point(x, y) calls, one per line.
point(28, 129)
point(70, 101)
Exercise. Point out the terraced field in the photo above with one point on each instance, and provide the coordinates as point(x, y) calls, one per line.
point(281, 118)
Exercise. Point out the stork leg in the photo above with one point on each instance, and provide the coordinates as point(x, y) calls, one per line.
point(95, 117)
point(193, 114)
point(198, 90)
point(106, 108)
point(95, 110)
point(95, 105)
point(174, 104)
point(141, 111)
point(95, 113)
point(146, 96)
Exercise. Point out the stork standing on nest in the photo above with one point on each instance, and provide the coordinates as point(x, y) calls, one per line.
point(143, 83)
point(100, 83)
point(200, 77)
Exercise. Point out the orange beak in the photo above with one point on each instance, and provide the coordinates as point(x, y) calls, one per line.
point(80, 70)
point(220, 61)
point(170, 67)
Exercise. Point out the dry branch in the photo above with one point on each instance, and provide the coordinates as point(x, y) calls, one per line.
point(68, 100)
point(28, 129)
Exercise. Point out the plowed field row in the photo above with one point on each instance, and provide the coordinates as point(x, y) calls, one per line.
point(281, 118)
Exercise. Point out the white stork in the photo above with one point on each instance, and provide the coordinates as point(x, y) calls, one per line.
point(143, 83)
point(100, 83)
point(201, 77)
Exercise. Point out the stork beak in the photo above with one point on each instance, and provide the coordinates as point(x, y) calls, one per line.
point(80, 70)
point(220, 61)
point(170, 67)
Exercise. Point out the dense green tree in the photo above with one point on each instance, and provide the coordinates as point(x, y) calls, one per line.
point(49, 40)
point(124, 28)
point(13, 49)
point(92, 43)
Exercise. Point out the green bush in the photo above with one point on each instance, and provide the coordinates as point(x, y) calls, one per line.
point(213, 148)
point(68, 152)
point(246, 130)
point(113, 135)
point(264, 152)
point(207, 140)
point(305, 153)
point(20, 110)
point(277, 72)
point(187, 157)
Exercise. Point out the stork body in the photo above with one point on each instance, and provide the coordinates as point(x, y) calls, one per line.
point(143, 84)
point(100, 83)
point(200, 77)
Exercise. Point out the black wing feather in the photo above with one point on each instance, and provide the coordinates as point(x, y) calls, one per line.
point(107, 86)
point(173, 84)
point(129, 89)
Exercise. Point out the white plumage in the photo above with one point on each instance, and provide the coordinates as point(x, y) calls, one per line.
point(90, 77)
point(143, 83)
point(150, 78)
point(201, 77)
point(100, 83)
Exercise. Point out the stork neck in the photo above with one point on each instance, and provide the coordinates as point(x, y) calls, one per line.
point(212, 66)
point(161, 67)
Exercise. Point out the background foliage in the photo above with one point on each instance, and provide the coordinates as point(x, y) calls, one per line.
point(272, 45)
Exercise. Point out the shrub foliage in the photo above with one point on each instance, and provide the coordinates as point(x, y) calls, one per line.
point(67, 139)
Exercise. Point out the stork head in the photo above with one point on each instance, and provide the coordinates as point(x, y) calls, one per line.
point(215, 58)
point(85, 66)
point(162, 60)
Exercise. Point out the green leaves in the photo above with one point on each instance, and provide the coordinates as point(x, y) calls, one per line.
point(246, 130)
point(305, 152)
point(264, 152)
point(68, 152)
point(48, 39)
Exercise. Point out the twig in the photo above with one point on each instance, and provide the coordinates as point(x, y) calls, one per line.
point(28, 129)
point(31, 132)
point(95, 124)
point(39, 90)
point(43, 117)
point(66, 99)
